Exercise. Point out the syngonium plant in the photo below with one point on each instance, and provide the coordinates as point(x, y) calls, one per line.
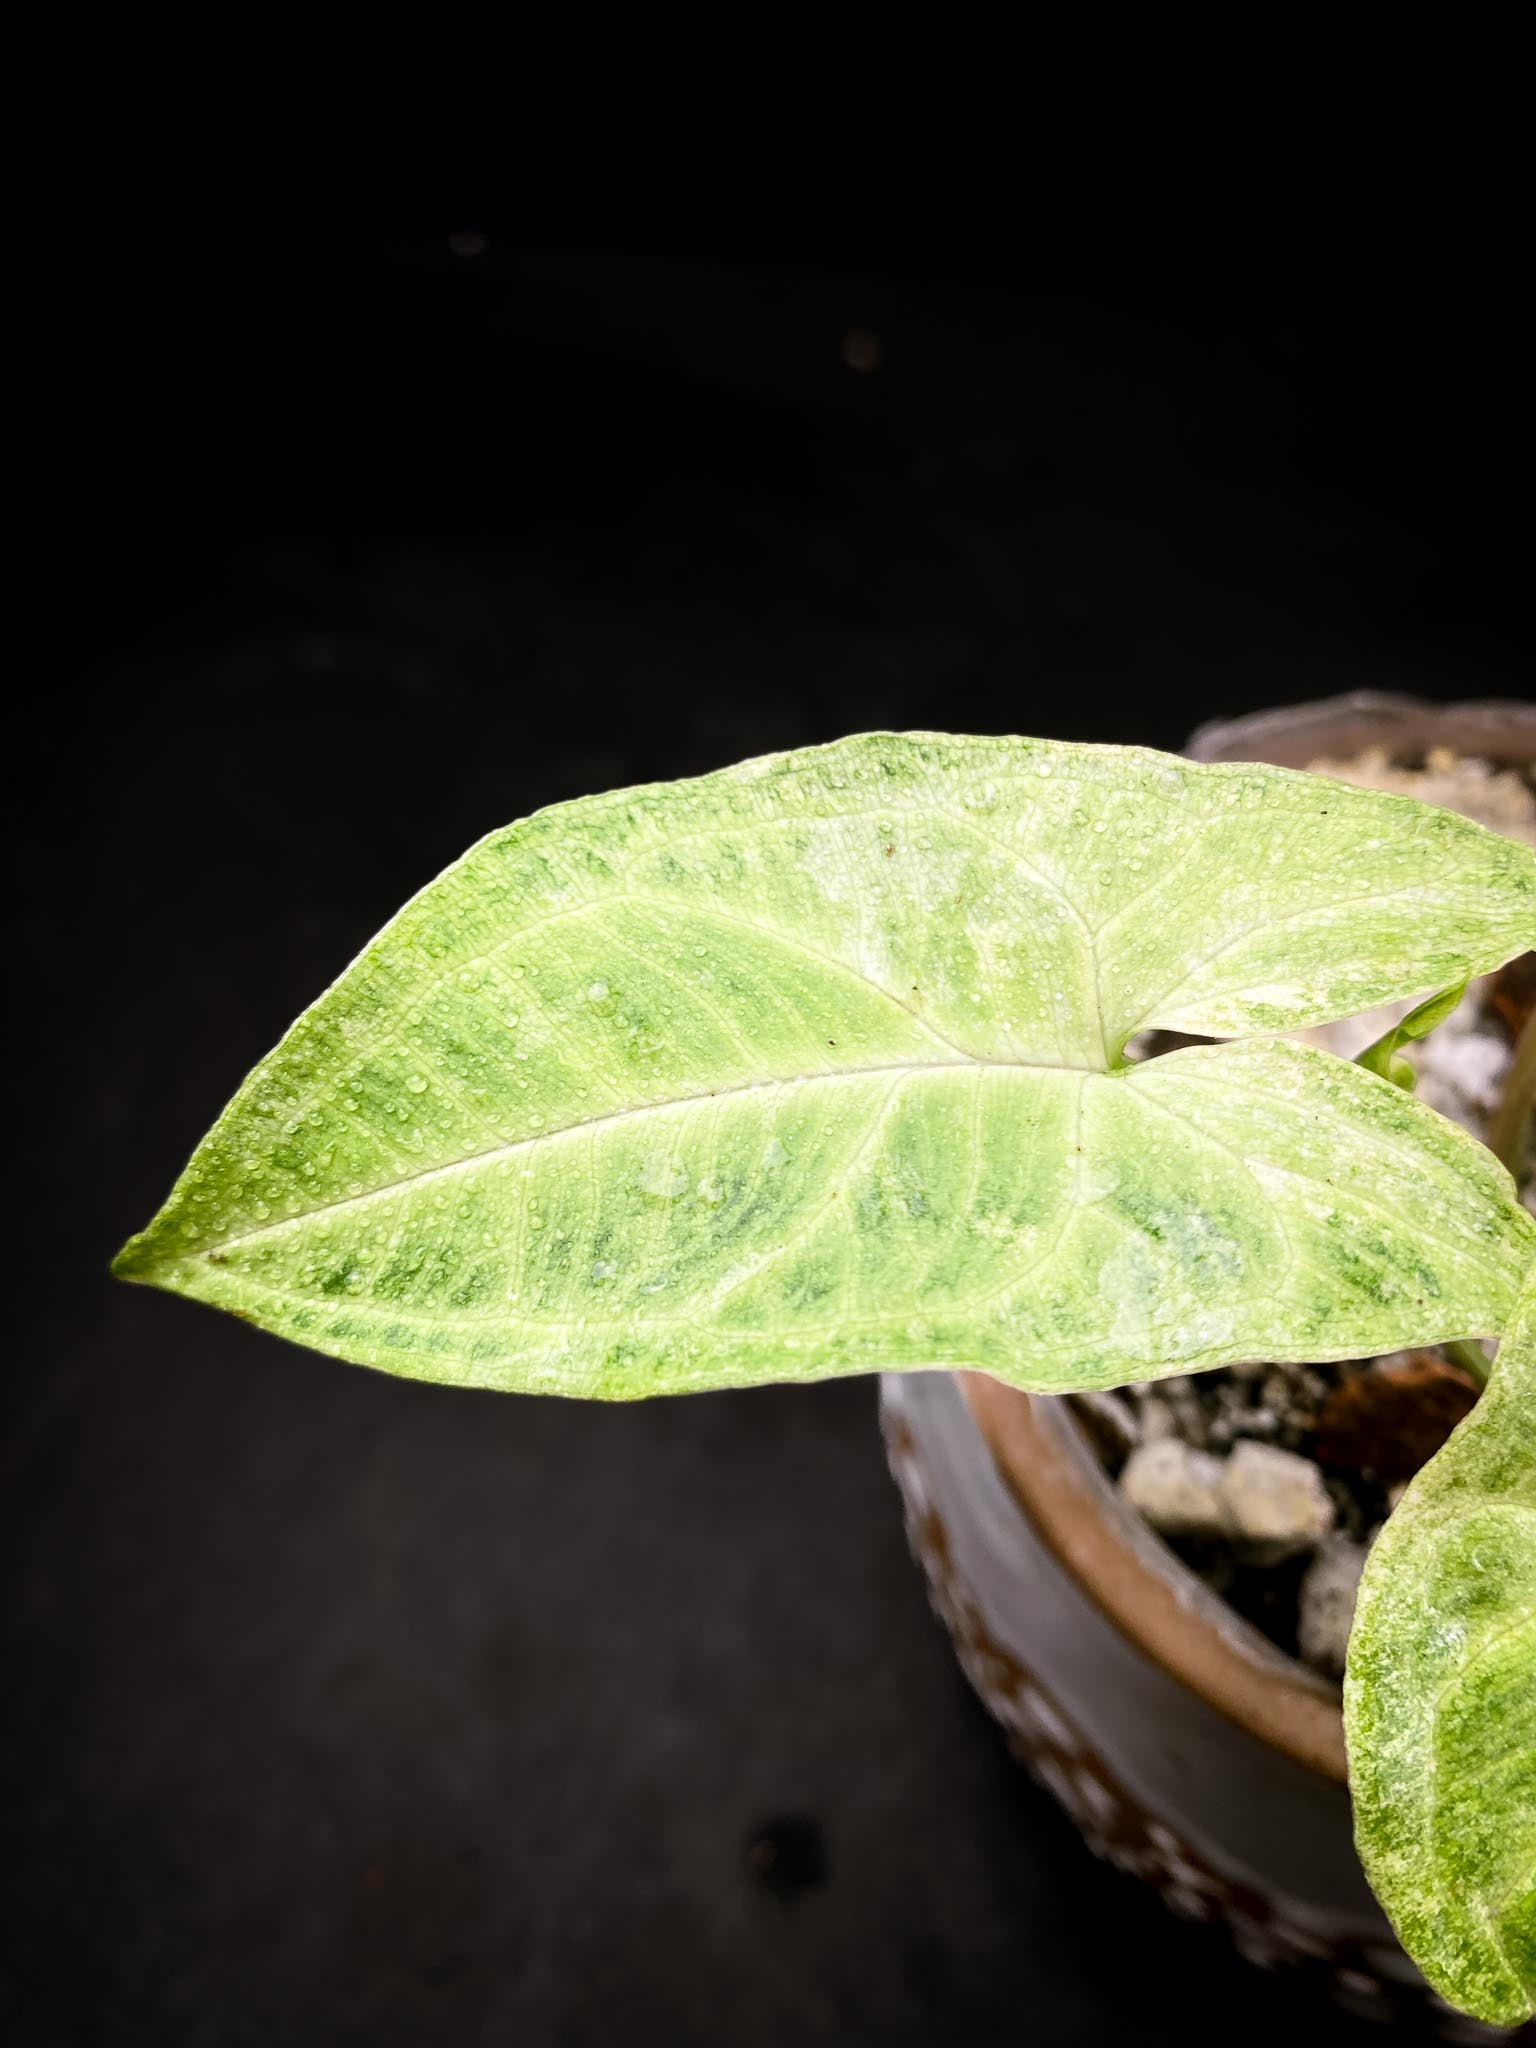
point(819, 1065)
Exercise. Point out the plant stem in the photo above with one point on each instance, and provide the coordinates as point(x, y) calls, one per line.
point(1470, 1356)
point(1507, 1134)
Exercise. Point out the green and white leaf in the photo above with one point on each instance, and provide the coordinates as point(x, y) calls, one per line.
point(816, 1065)
point(1440, 1702)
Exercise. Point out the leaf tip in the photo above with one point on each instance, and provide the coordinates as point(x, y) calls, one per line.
point(138, 1260)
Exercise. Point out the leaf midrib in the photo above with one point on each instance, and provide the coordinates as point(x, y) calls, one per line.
point(467, 1162)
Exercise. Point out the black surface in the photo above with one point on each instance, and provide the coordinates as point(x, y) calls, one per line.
point(341, 1709)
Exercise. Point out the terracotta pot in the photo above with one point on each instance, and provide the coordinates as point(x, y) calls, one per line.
point(1188, 1749)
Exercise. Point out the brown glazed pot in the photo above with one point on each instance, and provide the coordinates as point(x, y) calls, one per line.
point(1188, 1749)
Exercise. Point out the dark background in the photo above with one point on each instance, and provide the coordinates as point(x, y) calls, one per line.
point(345, 1710)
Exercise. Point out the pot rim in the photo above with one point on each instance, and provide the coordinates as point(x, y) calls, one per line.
point(1042, 1452)
point(1502, 730)
point(1140, 1585)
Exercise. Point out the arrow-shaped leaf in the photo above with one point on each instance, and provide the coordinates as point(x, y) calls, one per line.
point(816, 1065)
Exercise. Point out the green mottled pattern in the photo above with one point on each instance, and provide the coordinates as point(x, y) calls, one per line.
point(816, 1065)
point(1440, 1702)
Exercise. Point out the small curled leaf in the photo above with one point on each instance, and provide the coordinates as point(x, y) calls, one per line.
point(1382, 1055)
